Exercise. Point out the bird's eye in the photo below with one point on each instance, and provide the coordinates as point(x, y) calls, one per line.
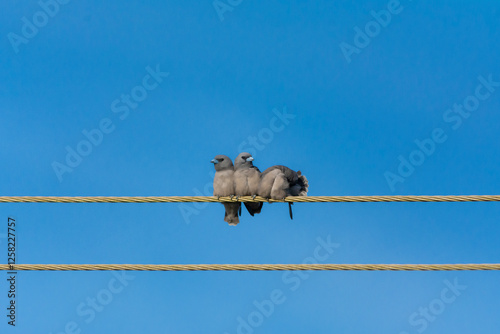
point(221, 159)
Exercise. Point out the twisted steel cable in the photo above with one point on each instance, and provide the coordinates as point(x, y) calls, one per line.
point(251, 267)
point(213, 199)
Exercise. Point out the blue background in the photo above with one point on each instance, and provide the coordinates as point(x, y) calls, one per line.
point(352, 120)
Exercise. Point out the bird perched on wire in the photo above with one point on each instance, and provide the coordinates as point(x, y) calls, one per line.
point(246, 181)
point(278, 182)
point(224, 186)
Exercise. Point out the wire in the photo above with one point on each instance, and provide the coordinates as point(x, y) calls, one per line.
point(213, 199)
point(250, 267)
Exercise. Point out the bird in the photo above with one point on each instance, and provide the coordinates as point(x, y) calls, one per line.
point(224, 186)
point(278, 182)
point(246, 181)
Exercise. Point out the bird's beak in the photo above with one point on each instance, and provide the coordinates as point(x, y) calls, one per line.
point(215, 161)
point(250, 159)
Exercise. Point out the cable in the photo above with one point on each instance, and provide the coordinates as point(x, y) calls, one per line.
point(250, 267)
point(213, 199)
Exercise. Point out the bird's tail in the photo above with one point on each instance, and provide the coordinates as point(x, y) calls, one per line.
point(232, 220)
point(231, 216)
point(253, 208)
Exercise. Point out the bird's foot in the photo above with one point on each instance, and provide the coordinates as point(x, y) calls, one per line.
point(253, 197)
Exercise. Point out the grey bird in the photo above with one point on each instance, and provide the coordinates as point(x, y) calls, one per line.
point(224, 186)
point(246, 181)
point(279, 182)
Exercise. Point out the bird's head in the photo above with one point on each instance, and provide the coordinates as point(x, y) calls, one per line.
point(244, 160)
point(222, 162)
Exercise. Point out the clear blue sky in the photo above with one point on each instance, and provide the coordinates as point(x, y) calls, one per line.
point(357, 102)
